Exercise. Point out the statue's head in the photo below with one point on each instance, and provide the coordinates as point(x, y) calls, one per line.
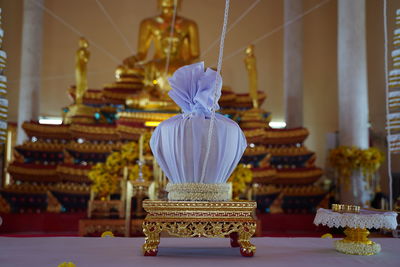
point(168, 3)
point(83, 43)
point(250, 50)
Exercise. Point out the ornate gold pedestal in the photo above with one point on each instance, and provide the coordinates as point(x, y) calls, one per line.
point(356, 242)
point(200, 219)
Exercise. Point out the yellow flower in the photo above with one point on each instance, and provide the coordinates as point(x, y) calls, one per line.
point(327, 236)
point(240, 177)
point(66, 264)
point(107, 234)
point(105, 176)
point(347, 159)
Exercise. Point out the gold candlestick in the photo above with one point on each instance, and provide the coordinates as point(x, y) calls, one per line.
point(141, 140)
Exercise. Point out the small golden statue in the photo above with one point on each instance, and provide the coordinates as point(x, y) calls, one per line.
point(81, 59)
point(182, 47)
point(79, 112)
point(251, 67)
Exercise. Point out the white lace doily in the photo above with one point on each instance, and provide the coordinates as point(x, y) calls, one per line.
point(365, 219)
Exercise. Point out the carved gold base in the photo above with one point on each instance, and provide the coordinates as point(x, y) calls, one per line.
point(200, 219)
point(356, 242)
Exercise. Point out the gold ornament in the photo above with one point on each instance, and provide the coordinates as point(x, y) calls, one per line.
point(200, 219)
point(251, 67)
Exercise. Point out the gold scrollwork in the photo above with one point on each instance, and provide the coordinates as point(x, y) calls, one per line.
point(153, 229)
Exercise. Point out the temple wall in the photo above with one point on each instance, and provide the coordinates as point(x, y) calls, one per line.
point(320, 53)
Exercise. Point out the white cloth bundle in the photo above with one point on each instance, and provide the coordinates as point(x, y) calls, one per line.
point(179, 144)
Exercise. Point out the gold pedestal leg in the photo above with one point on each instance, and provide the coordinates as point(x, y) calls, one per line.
point(152, 232)
point(358, 235)
point(247, 249)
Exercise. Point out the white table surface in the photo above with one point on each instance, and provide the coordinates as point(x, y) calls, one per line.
point(191, 252)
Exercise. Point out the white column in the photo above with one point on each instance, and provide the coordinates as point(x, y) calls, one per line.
point(293, 64)
point(353, 89)
point(31, 61)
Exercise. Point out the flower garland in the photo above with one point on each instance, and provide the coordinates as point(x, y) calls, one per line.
point(346, 159)
point(356, 248)
point(240, 178)
point(105, 177)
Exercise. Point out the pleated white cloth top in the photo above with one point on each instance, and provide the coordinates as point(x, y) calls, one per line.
point(179, 144)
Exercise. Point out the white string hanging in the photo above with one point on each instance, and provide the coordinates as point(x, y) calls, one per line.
point(240, 18)
point(389, 156)
point(110, 19)
point(216, 85)
point(171, 34)
point(76, 31)
point(277, 29)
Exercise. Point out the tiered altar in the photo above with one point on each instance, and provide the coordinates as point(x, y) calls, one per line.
point(52, 166)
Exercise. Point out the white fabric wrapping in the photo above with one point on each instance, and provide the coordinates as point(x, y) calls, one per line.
point(365, 219)
point(179, 143)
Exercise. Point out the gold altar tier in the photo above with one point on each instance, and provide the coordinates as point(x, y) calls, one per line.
point(200, 219)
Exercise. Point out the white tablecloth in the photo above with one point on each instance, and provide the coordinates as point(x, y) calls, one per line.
point(190, 252)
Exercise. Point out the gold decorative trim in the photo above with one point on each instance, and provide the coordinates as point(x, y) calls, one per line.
point(131, 130)
point(288, 151)
point(310, 190)
point(345, 208)
point(31, 171)
point(41, 146)
point(143, 116)
point(264, 173)
point(282, 174)
point(95, 148)
point(300, 133)
point(62, 169)
point(256, 150)
point(199, 192)
point(124, 86)
point(92, 129)
point(42, 128)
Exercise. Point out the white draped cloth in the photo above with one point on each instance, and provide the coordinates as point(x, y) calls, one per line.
point(365, 219)
point(179, 144)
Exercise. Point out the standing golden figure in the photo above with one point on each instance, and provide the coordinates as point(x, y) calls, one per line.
point(254, 117)
point(251, 67)
point(79, 112)
point(81, 59)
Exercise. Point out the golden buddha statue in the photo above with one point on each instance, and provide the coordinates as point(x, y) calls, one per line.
point(251, 67)
point(157, 29)
point(182, 47)
point(79, 112)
